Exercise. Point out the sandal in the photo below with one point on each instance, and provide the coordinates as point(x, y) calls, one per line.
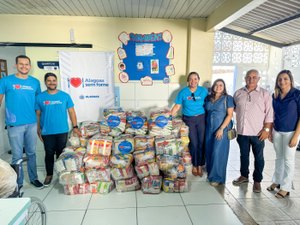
point(282, 194)
point(195, 171)
point(200, 171)
point(273, 186)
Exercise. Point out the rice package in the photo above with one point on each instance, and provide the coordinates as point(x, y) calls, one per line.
point(136, 123)
point(101, 145)
point(122, 173)
point(99, 174)
point(160, 122)
point(130, 184)
point(74, 189)
point(71, 178)
point(151, 184)
point(167, 145)
point(175, 185)
point(144, 157)
point(123, 144)
point(101, 187)
point(95, 161)
point(89, 128)
point(121, 161)
point(143, 142)
point(116, 120)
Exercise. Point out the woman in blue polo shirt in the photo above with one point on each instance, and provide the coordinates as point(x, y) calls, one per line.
point(286, 132)
point(191, 99)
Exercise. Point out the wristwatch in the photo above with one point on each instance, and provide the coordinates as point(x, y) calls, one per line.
point(74, 127)
point(267, 129)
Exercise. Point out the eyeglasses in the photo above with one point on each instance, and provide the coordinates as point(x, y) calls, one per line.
point(193, 96)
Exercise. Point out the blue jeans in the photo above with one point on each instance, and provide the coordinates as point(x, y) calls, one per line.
point(24, 136)
point(245, 142)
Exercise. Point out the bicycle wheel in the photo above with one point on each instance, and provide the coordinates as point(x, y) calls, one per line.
point(36, 212)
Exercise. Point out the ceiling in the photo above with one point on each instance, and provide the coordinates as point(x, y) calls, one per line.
point(275, 22)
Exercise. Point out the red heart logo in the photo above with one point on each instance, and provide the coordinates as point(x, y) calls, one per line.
point(17, 86)
point(46, 102)
point(75, 81)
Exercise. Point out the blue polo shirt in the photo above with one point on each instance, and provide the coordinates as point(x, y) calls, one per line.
point(19, 99)
point(287, 111)
point(54, 112)
point(191, 107)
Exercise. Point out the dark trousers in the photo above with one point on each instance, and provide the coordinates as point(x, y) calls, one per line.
point(196, 126)
point(53, 144)
point(245, 143)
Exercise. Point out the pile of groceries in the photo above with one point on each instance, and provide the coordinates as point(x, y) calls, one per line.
point(127, 152)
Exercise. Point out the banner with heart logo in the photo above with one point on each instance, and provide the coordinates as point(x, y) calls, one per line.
point(89, 78)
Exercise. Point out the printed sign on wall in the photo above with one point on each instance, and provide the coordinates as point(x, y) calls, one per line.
point(88, 77)
point(145, 57)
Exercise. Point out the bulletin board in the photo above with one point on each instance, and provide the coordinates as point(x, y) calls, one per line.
point(146, 57)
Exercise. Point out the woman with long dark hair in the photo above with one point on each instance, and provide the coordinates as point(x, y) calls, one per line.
point(219, 110)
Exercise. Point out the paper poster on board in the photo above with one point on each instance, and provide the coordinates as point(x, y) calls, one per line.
point(146, 57)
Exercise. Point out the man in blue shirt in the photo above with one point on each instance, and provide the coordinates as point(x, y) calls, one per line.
point(20, 91)
point(52, 107)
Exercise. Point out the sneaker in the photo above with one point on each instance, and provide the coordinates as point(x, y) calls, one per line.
point(37, 184)
point(256, 187)
point(240, 180)
point(214, 184)
point(47, 181)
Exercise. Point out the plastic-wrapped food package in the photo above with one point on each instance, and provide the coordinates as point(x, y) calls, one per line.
point(167, 145)
point(95, 161)
point(121, 161)
point(130, 184)
point(153, 168)
point(69, 178)
point(116, 120)
point(186, 158)
point(184, 142)
point(176, 172)
point(89, 128)
point(143, 142)
point(142, 171)
point(100, 174)
point(123, 144)
point(160, 122)
point(122, 173)
point(99, 145)
point(175, 185)
point(151, 184)
point(68, 161)
point(8, 179)
point(136, 123)
point(144, 157)
point(75, 189)
point(176, 124)
point(104, 128)
point(102, 187)
point(188, 169)
point(74, 141)
point(166, 162)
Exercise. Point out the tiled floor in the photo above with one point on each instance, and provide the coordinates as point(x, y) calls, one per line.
point(203, 204)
